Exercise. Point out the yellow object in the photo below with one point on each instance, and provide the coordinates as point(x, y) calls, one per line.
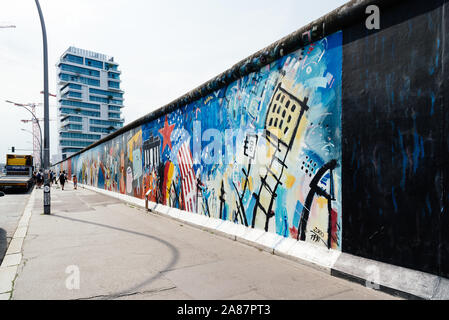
point(322, 201)
point(169, 180)
point(290, 180)
point(136, 140)
point(19, 160)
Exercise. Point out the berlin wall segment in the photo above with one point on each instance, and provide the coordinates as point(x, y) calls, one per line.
point(394, 145)
point(339, 143)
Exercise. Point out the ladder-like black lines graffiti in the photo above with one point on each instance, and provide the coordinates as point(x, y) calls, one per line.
point(316, 190)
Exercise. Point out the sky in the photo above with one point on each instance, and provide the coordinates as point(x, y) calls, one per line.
point(164, 48)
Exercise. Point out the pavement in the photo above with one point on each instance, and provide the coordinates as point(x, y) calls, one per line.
point(96, 247)
point(12, 205)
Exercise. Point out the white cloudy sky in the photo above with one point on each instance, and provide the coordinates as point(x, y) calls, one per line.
point(164, 48)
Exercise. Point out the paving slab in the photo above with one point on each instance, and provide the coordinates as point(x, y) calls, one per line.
point(20, 232)
point(15, 246)
point(12, 260)
point(5, 296)
point(7, 275)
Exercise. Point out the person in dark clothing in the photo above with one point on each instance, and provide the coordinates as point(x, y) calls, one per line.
point(75, 181)
point(40, 179)
point(51, 173)
point(62, 179)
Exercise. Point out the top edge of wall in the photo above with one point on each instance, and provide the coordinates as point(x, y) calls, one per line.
point(336, 20)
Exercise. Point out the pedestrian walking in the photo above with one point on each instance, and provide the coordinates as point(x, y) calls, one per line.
point(34, 178)
point(62, 178)
point(75, 181)
point(40, 179)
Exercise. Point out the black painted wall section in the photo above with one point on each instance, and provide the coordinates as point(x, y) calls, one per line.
point(444, 245)
point(395, 146)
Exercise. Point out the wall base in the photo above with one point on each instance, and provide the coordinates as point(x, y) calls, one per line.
point(398, 281)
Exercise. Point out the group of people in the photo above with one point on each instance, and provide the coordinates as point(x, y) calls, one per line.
point(62, 178)
point(38, 178)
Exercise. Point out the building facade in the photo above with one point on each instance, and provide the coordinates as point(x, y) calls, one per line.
point(90, 99)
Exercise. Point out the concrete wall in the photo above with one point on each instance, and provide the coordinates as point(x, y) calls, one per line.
point(340, 143)
point(395, 146)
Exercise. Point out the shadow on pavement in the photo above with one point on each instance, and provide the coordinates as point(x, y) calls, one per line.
point(174, 251)
point(3, 244)
point(18, 191)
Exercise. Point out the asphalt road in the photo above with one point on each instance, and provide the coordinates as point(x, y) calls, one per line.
point(11, 209)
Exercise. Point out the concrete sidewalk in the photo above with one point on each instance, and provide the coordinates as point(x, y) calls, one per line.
point(123, 252)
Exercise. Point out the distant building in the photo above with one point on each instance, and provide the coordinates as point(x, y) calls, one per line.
point(90, 100)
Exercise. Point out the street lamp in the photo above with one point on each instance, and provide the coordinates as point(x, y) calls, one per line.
point(50, 94)
point(40, 143)
point(35, 119)
point(47, 201)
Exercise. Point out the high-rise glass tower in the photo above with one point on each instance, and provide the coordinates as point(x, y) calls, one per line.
point(90, 100)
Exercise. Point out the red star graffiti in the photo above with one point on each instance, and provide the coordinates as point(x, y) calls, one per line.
point(166, 133)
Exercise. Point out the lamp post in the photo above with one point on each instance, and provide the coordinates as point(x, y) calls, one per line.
point(35, 119)
point(40, 143)
point(46, 115)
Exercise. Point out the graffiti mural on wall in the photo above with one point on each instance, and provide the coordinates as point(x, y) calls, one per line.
point(263, 151)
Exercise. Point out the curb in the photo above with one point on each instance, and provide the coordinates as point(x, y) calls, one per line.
point(407, 283)
point(391, 279)
point(13, 256)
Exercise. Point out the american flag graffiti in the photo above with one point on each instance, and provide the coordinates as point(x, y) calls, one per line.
point(185, 163)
